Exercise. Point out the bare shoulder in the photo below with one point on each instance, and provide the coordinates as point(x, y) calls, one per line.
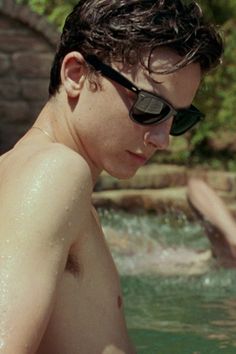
point(55, 162)
point(48, 185)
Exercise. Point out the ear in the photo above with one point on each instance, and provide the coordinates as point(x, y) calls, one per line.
point(73, 72)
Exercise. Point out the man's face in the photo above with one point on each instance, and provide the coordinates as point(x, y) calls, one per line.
point(111, 139)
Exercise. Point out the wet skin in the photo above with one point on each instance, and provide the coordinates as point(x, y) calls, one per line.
point(60, 291)
point(85, 307)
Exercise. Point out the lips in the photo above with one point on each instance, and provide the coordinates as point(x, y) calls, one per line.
point(139, 158)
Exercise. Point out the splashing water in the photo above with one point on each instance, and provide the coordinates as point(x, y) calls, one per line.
point(171, 312)
point(167, 244)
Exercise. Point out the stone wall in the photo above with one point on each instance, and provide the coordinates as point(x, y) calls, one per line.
point(161, 188)
point(27, 45)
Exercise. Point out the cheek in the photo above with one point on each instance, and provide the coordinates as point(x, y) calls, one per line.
point(104, 120)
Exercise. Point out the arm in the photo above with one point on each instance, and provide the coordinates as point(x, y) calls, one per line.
point(212, 207)
point(37, 205)
point(216, 219)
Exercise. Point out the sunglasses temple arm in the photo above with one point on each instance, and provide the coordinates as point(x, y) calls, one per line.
point(110, 73)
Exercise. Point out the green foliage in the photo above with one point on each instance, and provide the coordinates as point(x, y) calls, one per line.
point(58, 15)
point(217, 98)
point(55, 10)
point(219, 11)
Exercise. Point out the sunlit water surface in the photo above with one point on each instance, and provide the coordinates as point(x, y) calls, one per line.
point(173, 314)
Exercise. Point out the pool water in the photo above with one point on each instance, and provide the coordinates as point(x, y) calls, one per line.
point(182, 315)
point(175, 314)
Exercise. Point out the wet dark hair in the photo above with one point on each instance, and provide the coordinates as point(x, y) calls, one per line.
point(123, 30)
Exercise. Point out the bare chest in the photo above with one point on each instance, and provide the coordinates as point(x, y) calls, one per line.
point(88, 311)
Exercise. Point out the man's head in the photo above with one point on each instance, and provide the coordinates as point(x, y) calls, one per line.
point(125, 31)
point(161, 47)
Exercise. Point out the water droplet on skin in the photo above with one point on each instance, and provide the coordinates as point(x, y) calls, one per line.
point(69, 223)
point(26, 346)
point(67, 208)
point(2, 343)
point(6, 257)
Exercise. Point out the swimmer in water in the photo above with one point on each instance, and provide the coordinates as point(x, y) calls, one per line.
point(123, 79)
point(217, 220)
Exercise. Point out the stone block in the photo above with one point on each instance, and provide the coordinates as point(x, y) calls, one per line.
point(160, 200)
point(221, 181)
point(35, 107)
point(19, 41)
point(35, 90)
point(14, 111)
point(9, 24)
point(9, 88)
point(4, 63)
point(5, 23)
point(10, 133)
point(32, 65)
point(149, 176)
point(9, 6)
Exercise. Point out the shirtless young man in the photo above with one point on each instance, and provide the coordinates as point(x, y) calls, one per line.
point(60, 291)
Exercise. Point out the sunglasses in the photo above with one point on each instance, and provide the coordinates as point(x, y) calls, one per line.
point(148, 108)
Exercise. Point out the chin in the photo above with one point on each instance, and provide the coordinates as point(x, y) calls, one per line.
point(122, 173)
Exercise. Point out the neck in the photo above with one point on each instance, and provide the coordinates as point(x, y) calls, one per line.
point(53, 122)
point(44, 132)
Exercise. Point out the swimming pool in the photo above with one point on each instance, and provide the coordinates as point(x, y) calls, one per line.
point(174, 312)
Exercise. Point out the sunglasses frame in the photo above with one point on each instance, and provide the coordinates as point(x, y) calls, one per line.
point(115, 76)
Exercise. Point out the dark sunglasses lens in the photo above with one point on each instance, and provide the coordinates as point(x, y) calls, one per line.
point(185, 120)
point(149, 110)
point(147, 118)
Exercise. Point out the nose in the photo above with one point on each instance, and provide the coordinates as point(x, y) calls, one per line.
point(158, 136)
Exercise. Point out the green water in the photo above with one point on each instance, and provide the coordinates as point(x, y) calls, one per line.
point(177, 314)
point(182, 315)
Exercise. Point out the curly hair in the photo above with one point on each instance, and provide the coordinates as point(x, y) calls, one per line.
point(123, 30)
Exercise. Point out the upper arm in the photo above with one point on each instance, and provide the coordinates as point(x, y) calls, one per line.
point(36, 208)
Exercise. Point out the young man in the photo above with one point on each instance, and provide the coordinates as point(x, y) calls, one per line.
point(123, 80)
